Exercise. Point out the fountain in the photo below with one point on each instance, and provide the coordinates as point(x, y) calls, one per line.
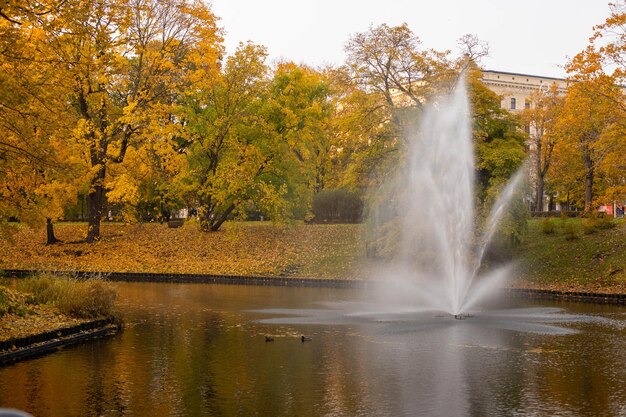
point(422, 221)
point(425, 213)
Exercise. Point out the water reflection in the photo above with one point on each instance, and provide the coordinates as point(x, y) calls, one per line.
point(199, 350)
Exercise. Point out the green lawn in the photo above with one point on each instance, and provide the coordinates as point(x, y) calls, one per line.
point(575, 256)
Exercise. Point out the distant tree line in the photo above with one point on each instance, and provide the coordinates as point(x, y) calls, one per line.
point(135, 105)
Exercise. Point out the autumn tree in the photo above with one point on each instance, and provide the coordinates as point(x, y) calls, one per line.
point(539, 118)
point(39, 169)
point(498, 141)
point(123, 63)
point(18, 12)
point(298, 114)
point(361, 136)
point(591, 126)
point(255, 138)
point(225, 133)
point(388, 60)
point(601, 105)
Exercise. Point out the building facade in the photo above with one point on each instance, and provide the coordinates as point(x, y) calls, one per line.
point(515, 89)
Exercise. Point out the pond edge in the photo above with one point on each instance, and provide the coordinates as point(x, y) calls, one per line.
point(589, 297)
point(27, 347)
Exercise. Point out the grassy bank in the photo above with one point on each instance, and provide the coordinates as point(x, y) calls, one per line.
point(575, 255)
point(243, 248)
point(46, 302)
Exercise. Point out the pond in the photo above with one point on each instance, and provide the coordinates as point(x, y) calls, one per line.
point(200, 350)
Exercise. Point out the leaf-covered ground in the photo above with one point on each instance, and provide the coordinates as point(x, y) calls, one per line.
point(242, 248)
point(590, 262)
point(24, 319)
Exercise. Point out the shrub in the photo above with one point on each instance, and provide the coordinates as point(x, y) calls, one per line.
point(548, 226)
point(589, 226)
point(4, 302)
point(11, 302)
point(605, 223)
point(87, 298)
point(337, 206)
point(570, 231)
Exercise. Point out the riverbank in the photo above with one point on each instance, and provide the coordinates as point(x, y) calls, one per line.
point(44, 312)
point(575, 256)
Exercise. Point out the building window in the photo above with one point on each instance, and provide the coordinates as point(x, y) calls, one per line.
point(512, 104)
point(527, 104)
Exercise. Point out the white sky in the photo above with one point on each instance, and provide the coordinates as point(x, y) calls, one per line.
point(526, 36)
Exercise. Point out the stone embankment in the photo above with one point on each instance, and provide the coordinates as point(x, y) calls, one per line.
point(17, 349)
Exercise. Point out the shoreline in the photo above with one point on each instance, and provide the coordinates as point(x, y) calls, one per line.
point(257, 280)
point(32, 346)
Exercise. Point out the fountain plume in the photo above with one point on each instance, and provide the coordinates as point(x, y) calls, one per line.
point(428, 212)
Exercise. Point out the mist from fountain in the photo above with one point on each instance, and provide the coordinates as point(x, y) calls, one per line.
point(431, 200)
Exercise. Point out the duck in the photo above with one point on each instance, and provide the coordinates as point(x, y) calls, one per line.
point(306, 338)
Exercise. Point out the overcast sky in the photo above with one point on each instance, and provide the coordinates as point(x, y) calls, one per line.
point(526, 36)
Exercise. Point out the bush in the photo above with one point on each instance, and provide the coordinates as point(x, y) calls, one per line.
point(548, 226)
point(605, 223)
point(589, 226)
point(570, 231)
point(337, 206)
point(11, 302)
point(88, 298)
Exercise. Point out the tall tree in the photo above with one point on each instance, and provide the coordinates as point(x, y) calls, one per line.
point(224, 130)
point(39, 169)
point(299, 111)
point(599, 68)
point(123, 63)
point(388, 60)
point(592, 126)
point(255, 140)
point(498, 142)
point(540, 118)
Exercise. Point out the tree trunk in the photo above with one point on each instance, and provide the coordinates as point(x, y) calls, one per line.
point(539, 195)
point(538, 172)
point(589, 190)
point(50, 238)
point(215, 227)
point(95, 202)
point(589, 177)
point(204, 217)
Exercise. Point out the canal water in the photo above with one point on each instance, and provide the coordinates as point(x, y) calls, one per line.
point(200, 350)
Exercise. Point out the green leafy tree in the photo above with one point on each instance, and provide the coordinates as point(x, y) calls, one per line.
point(498, 140)
point(255, 140)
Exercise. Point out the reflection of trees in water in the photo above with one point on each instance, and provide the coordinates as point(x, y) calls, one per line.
point(193, 350)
